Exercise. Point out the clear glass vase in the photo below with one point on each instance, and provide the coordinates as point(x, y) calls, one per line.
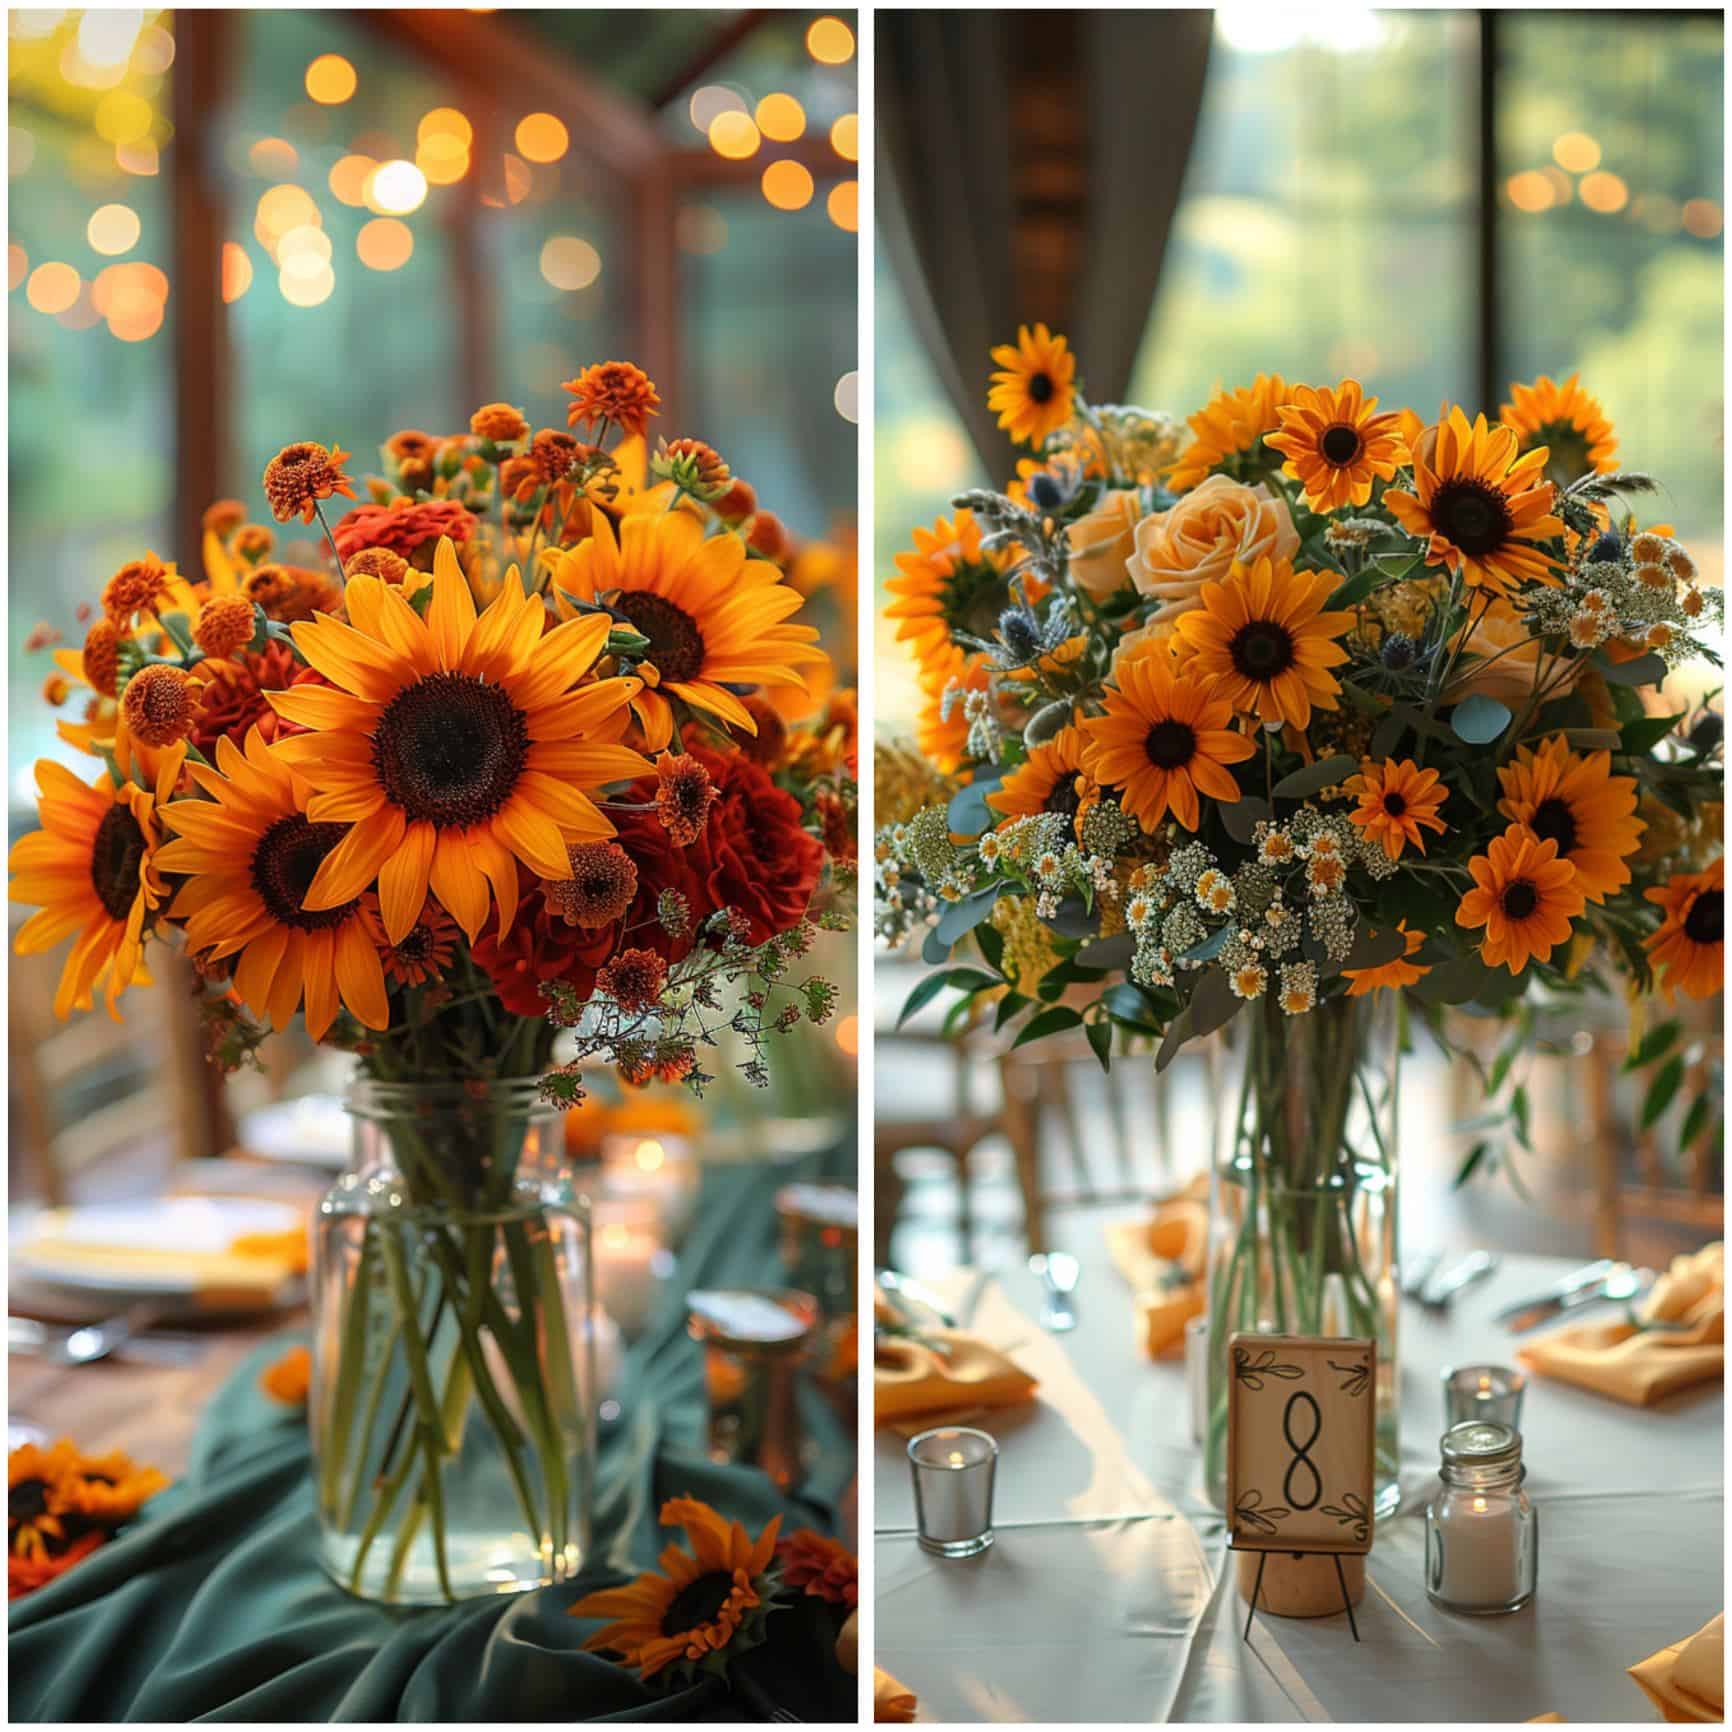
point(1302, 1229)
point(453, 1397)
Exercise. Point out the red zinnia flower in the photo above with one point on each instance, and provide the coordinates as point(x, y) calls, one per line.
point(405, 529)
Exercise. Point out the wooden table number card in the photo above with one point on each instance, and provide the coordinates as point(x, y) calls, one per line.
point(1301, 1453)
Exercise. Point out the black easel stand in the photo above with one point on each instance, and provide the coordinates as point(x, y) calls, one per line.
point(1257, 1587)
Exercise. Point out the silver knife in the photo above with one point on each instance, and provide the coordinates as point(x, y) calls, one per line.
point(1440, 1289)
point(1585, 1284)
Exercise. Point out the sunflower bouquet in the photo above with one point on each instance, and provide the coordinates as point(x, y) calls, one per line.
point(1293, 722)
point(523, 766)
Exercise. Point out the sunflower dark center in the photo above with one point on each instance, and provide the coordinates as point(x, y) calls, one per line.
point(27, 1500)
point(1473, 515)
point(449, 749)
point(1261, 650)
point(1553, 821)
point(284, 863)
point(1040, 387)
point(676, 644)
point(697, 1603)
point(115, 860)
point(1567, 449)
point(1064, 799)
point(1395, 804)
point(1519, 899)
point(974, 597)
point(1340, 445)
point(416, 945)
point(1706, 921)
point(1170, 744)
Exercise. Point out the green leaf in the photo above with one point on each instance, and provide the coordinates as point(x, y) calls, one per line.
point(1210, 948)
point(1051, 1021)
point(1114, 952)
point(1479, 719)
point(1658, 1040)
point(968, 813)
point(1520, 1111)
point(1012, 1004)
point(1178, 1032)
point(964, 916)
point(1661, 1090)
point(1593, 739)
point(1213, 1003)
point(969, 980)
point(1100, 1034)
point(991, 943)
point(1387, 734)
point(1456, 982)
point(1074, 920)
point(1695, 1122)
point(1355, 589)
point(1130, 1004)
point(1373, 949)
point(1241, 817)
point(1637, 738)
point(1323, 774)
point(1646, 670)
point(1475, 1159)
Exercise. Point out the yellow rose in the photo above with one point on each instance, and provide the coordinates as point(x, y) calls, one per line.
point(1102, 542)
point(1217, 522)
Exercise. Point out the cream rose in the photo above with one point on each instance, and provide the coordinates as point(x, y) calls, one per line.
point(1102, 542)
point(1176, 552)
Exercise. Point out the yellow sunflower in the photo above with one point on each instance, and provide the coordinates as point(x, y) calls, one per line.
point(250, 852)
point(1578, 803)
point(1052, 779)
point(1480, 505)
point(1688, 953)
point(697, 1603)
point(1228, 427)
point(1034, 392)
point(1567, 422)
point(1336, 445)
point(452, 746)
point(1164, 739)
point(1265, 639)
point(1395, 800)
point(948, 583)
point(714, 618)
point(91, 870)
point(1524, 896)
point(1393, 975)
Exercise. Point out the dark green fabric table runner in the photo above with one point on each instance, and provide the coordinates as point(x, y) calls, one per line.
point(213, 1607)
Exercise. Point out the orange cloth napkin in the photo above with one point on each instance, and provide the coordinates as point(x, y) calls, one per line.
point(1640, 1366)
point(957, 1373)
point(1163, 1260)
point(1687, 1681)
point(893, 1703)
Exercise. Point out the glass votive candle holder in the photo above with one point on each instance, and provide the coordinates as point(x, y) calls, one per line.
point(954, 1467)
point(819, 1241)
point(1489, 1392)
point(1482, 1537)
point(631, 1262)
point(754, 1342)
point(658, 1167)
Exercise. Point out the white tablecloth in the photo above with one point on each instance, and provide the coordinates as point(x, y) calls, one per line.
point(1105, 1597)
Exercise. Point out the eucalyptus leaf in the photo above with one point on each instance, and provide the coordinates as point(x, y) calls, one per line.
point(1178, 1032)
point(1241, 817)
point(1479, 720)
point(1594, 739)
point(1073, 920)
point(1374, 949)
point(1114, 952)
point(1213, 1003)
point(1455, 982)
point(964, 916)
point(1100, 1037)
point(1210, 948)
point(1325, 773)
point(1646, 670)
point(1051, 1021)
point(968, 813)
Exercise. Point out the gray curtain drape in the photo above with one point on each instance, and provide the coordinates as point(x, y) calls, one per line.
point(961, 182)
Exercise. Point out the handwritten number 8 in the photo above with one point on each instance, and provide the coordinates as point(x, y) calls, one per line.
point(1301, 1452)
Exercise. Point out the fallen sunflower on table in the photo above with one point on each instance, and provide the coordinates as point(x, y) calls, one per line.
point(62, 1504)
point(701, 1608)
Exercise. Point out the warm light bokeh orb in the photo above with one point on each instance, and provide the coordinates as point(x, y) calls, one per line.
point(308, 291)
point(17, 265)
point(847, 397)
point(113, 229)
point(53, 287)
point(348, 178)
point(273, 158)
point(781, 117)
point(710, 100)
point(237, 271)
point(787, 184)
point(396, 188)
point(1530, 191)
point(830, 41)
point(1605, 193)
point(542, 138)
point(845, 137)
point(1576, 151)
point(734, 135)
point(1702, 217)
point(569, 262)
point(385, 244)
point(843, 204)
point(330, 80)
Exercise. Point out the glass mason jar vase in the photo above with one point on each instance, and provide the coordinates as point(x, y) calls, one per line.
point(453, 1397)
point(1482, 1536)
point(1302, 1196)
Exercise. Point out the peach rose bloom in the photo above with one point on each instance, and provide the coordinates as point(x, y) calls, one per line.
point(1102, 542)
point(1217, 522)
point(1510, 662)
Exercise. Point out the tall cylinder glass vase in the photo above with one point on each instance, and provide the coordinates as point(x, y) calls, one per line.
point(453, 1397)
point(1302, 1224)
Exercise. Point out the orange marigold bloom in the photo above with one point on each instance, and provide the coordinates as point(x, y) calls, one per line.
point(684, 795)
point(26, 1575)
point(499, 423)
point(225, 624)
point(381, 562)
point(140, 586)
point(612, 391)
point(552, 456)
point(160, 705)
point(1396, 974)
point(766, 534)
point(252, 542)
point(411, 445)
point(56, 689)
point(600, 889)
point(1688, 953)
point(738, 503)
point(1396, 800)
point(1524, 896)
point(224, 517)
point(634, 979)
point(302, 474)
point(100, 657)
point(288, 1379)
point(423, 953)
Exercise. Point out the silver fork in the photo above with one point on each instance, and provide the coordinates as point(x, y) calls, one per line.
point(1059, 1271)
